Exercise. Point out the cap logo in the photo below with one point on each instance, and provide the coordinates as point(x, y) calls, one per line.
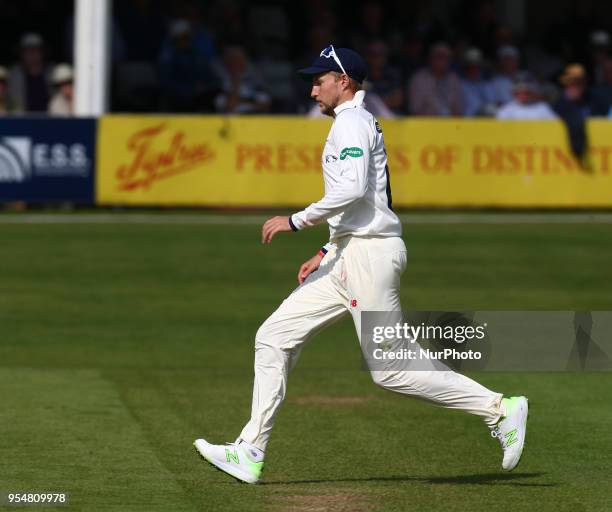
point(328, 52)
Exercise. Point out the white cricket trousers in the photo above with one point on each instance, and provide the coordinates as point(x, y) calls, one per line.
point(362, 274)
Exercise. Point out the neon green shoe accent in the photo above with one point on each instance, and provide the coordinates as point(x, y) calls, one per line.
point(232, 456)
point(511, 430)
point(256, 468)
point(510, 404)
point(511, 438)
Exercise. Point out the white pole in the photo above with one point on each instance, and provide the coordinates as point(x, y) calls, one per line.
point(91, 56)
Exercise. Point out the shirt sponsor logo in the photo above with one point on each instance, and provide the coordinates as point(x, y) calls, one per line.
point(352, 152)
point(22, 159)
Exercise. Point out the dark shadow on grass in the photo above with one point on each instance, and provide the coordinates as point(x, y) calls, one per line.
point(488, 478)
point(478, 479)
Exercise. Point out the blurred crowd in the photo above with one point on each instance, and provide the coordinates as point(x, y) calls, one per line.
point(238, 57)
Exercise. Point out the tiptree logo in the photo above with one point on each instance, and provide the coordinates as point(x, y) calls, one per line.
point(20, 160)
point(15, 163)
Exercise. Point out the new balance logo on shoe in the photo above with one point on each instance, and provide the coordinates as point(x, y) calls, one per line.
point(511, 430)
point(511, 438)
point(227, 459)
point(232, 456)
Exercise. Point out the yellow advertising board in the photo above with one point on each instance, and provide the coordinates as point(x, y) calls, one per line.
point(275, 161)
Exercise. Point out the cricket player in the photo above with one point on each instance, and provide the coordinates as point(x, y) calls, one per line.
point(358, 270)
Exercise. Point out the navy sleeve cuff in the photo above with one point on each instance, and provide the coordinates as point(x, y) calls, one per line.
point(291, 224)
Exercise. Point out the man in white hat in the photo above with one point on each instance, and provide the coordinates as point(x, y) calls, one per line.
point(62, 102)
point(508, 59)
point(478, 97)
point(527, 103)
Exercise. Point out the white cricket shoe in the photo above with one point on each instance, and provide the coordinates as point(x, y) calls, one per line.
point(511, 430)
point(233, 458)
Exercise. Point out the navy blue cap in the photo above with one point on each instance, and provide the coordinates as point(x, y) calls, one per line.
point(354, 66)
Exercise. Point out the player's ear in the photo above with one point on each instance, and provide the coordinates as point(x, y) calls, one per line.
point(346, 81)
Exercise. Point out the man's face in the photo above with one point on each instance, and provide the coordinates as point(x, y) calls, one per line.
point(326, 90)
point(235, 62)
point(32, 57)
point(66, 89)
point(523, 96)
point(508, 65)
point(439, 61)
point(575, 90)
point(473, 72)
point(377, 56)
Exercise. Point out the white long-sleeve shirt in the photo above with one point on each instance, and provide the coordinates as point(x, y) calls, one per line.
point(518, 111)
point(357, 197)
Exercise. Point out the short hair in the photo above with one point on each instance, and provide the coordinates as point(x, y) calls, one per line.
point(354, 85)
point(440, 47)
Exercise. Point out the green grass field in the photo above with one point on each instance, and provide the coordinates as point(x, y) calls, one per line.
point(121, 343)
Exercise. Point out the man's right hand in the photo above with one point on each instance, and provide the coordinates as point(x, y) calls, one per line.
point(309, 267)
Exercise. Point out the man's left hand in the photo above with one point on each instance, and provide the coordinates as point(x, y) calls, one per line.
point(273, 226)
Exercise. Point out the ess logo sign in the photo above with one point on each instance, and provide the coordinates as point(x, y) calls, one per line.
point(21, 159)
point(15, 159)
point(157, 153)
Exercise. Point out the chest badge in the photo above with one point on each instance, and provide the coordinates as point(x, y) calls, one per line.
point(330, 159)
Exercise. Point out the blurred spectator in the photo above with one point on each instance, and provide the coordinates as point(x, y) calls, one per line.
point(411, 56)
point(384, 80)
point(478, 99)
point(318, 36)
point(242, 90)
point(142, 27)
point(478, 18)
point(420, 18)
point(30, 80)
point(229, 15)
point(202, 39)
point(61, 103)
point(376, 106)
point(5, 106)
point(573, 106)
point(503, 37)
point(508, 60)
point(599, 52)
point(436, 90)
point(186, 80)
point(575, 30)
point(526, 104)
point(543, 60)
point(460, 46)
point(602, 94)
point(371, 26)
point(270, 30)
